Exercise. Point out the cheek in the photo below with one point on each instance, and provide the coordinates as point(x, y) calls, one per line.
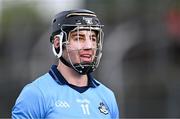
point(94, 54)
point(73, 45)
point(74, 55)
point(94, 45)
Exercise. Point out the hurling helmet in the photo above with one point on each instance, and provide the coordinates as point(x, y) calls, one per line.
point(76, 20)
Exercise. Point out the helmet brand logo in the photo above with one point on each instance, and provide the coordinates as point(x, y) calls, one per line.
point(88, 20)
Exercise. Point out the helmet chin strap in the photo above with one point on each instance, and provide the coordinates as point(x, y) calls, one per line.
point(80, 68)
point(65, 62)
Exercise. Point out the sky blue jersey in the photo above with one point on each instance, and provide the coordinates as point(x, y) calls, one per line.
point(50, 96)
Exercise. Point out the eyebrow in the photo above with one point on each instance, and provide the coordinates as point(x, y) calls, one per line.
point(75, 34)
point(93, 34)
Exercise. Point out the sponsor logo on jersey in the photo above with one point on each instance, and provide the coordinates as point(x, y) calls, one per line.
point(103, 109)
point(62, 104)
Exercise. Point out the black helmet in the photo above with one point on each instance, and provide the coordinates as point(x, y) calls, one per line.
point(72, 17)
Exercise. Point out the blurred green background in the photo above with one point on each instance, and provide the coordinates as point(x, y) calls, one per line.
point(141, 55)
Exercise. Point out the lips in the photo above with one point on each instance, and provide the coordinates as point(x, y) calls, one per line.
point(86, 57)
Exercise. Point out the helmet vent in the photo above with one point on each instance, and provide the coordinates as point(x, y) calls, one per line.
point(80, 14)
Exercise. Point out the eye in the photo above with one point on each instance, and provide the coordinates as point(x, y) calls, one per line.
point(94, 39)
point(75, 38)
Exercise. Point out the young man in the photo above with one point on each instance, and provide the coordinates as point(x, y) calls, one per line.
point(69, 90)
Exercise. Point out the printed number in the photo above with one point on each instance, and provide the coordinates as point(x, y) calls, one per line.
point(84, 105)
point(85, 108)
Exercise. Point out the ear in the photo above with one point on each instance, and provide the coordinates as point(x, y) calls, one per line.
point(56, 42)
point(57, 45)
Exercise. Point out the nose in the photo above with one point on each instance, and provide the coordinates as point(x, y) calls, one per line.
point(88, 43)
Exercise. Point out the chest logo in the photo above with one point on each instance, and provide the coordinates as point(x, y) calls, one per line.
point(103, 109)
point(62, 104)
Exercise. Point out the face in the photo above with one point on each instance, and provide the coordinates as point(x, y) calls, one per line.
point(81, 47)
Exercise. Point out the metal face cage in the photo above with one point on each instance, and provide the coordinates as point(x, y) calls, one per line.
point(82, 67)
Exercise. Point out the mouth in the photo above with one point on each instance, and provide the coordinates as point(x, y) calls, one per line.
point(86, 58)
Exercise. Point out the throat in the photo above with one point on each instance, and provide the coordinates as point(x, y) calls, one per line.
point(72, 77)
point(80, 84)
point(79, 89)
point(81, 81)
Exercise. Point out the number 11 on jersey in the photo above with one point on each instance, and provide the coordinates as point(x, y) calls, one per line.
point(85, 108)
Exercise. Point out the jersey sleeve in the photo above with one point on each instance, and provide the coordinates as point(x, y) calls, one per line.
point(114, 107)
point(30, 104)
point(115, 114)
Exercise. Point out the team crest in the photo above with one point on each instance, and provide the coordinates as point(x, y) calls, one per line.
point(103, 109)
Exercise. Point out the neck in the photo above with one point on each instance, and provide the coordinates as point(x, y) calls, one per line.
point(71, 76)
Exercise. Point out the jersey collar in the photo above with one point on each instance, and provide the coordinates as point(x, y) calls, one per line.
point(57, 76)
